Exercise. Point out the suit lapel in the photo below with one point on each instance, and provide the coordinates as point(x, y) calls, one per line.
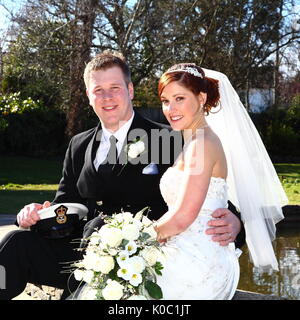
point(86, 181)
point(137, 124)
point(91, 150)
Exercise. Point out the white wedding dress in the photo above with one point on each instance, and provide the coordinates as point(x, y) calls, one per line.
point(195, 267)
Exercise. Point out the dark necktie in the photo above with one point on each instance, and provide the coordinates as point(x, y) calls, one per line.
point(112, 155)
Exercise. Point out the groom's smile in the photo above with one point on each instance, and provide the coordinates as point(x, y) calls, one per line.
point(109, 108)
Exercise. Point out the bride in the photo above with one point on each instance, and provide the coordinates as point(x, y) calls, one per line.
point(223, 158)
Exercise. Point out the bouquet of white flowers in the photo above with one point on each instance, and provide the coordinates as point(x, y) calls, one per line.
point(122, 260)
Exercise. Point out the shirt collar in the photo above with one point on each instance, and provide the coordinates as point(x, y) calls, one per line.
point(120, 134)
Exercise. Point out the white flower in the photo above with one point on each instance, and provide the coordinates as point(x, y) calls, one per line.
point(123, 257)
point(125, 272)
point(98, 263)
point(137, 297)
point(130, 231)
point(140, 145)
point(78, 274)
point(88, 276)
point(138, 224)
point(124, 217)
point(151, 255)
point(135, 149)
point(112, 251)
point(136, 279)
point(111, 236)
point(113, 290)
point(131, 247)
point(95, 238)
point(89, 294)
point(118, 217)
point(151, 231)
point(103, 247)
point(90, 260)
point(105, 264)
point(132, 152)
point(107, 257)
point(127, 216)
point(137, 264)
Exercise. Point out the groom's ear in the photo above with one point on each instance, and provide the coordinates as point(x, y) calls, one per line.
point(202, 97)
point(131, 90)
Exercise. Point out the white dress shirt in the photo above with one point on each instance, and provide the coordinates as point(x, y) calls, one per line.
point(120, 134)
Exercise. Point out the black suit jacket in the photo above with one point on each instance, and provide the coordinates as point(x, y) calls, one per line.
point(124, 187)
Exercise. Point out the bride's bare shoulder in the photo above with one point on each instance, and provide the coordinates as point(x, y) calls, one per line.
point(206, 140)
point(212, 139)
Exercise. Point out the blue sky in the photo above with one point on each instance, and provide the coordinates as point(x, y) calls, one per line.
point(13, 5)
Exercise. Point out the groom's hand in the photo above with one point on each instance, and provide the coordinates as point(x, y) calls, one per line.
point(224, 228)
point(29, 216)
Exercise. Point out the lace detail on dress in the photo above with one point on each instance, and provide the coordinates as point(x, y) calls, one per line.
point(172, 180)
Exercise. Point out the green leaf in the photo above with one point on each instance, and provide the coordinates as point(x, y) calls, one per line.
point(153, 289)
point(124, 243)
point(113, 273)
point(158, 267)
point(144, 236)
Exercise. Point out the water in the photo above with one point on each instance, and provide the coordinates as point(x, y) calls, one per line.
point(285, 282)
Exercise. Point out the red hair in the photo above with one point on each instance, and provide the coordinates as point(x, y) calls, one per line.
point(195, 84)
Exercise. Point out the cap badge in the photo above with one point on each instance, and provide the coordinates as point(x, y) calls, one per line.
point(61, 214)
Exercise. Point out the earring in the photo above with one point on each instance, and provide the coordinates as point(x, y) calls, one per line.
point(201, 107)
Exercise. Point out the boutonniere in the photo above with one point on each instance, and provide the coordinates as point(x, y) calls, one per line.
point(133, 150)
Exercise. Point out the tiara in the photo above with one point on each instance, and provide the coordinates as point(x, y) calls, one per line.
point(190, 70)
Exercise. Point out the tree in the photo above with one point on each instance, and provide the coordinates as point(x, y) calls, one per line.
point(48, 55)
point(54, 39)
point(82, 27)
point(35, 60)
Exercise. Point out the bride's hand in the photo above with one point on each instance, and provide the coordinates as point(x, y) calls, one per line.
point(225, 228)
point(159, 236)
point(162, 241)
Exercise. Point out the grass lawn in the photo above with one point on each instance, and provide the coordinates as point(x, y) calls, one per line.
point(24, 180)
point(289, 175)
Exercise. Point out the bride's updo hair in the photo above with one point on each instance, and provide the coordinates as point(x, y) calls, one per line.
point(193, 78)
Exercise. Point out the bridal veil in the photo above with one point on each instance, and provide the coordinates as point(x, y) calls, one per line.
point(254, 187)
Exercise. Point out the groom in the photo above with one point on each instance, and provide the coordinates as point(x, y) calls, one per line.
point(102, 185)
